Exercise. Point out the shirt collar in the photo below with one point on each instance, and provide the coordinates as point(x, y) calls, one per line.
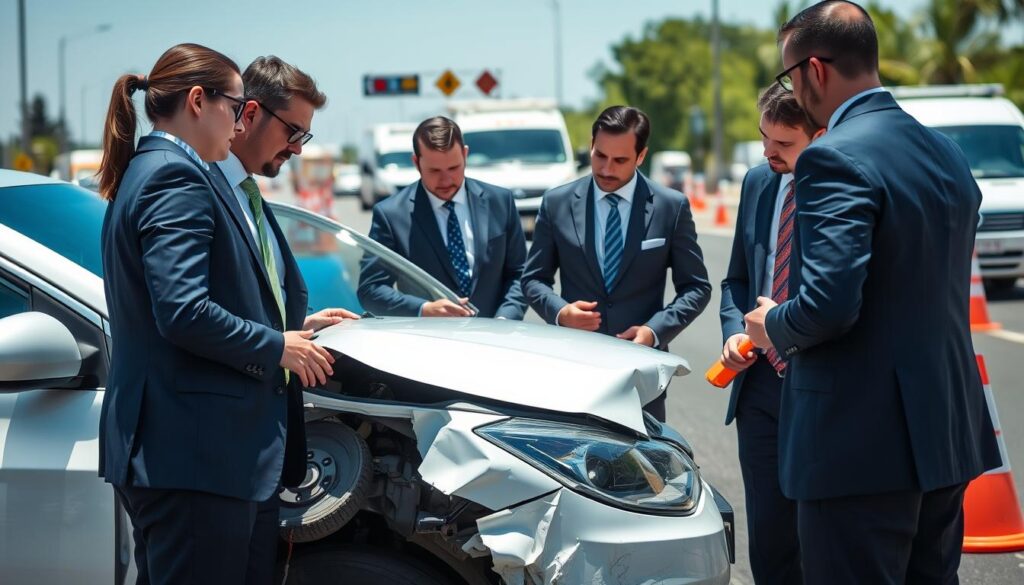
point(233, 170)
point(437, 203)
point(626, 191)
point(846, 105)
point(786, 179)
point(192, 154)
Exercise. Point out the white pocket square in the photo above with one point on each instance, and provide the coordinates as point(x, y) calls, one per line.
point(650, 244)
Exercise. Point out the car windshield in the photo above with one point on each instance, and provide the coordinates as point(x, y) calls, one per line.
point(993, 152)
point(64, 218)
point(343, 268)
point(491, 147)
point(402, 160)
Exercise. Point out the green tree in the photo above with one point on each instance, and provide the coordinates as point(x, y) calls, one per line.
point(667, 72)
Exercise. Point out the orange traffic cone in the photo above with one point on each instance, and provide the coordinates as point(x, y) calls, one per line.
point(992, 517)
point(698, 197)
point(979, 305)
point(721, 214)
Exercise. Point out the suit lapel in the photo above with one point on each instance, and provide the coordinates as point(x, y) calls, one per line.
point(762, 228)
point(227, 196)
point(583, 220)
point(423, 217)
point(480, 214)
point(639, 219)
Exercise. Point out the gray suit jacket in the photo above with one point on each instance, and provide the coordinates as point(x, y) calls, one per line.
point(564, 241)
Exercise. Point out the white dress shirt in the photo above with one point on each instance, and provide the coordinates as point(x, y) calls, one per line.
point(773, 236)
point(846, 105)
point(602, 208)
point(235, 173)
point(461, 201)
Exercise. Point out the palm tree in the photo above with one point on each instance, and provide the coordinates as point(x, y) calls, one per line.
point(963, 36)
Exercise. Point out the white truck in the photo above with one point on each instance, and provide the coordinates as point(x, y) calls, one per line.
point(519, 144)
point(386, 162)
point(990, 131)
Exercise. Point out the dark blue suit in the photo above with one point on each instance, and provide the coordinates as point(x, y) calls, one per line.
point(406, 224)
point(196, 402)
point(757, 391)
point(564, 242)
point(882, 394)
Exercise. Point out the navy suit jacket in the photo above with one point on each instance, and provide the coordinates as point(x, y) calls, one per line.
point(405, 223)
point(563, 241)
point(750, 247)
point(882, 390)
point(196, 399)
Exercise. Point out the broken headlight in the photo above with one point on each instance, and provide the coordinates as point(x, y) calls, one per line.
point(641, 475)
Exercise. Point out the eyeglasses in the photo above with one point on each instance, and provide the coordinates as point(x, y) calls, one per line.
point(786, 80)
point(237, 108)
point(298, 134)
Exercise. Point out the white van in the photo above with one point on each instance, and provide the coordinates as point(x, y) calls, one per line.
point(386, 162)
point(519, 144)
point(673, 169)
point(990, 131)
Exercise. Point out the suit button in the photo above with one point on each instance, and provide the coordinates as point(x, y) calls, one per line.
point(279, 390)
point(610, 305)
point(277, 326)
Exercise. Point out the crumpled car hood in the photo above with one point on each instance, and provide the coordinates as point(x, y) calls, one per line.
point(531, 365)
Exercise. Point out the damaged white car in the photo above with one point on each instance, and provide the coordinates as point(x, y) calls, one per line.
point(470, 451)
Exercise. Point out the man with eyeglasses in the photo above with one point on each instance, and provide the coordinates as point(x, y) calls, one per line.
point(276, 113)
point(883, 419)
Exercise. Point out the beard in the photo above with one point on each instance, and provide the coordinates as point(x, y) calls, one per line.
point(811, 102)
point(272, 169)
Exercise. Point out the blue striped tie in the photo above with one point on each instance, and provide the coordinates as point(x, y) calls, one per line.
point(457, 251)
point(613, 241)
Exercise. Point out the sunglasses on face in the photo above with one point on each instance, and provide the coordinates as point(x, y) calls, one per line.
point(237, 107)
point(298, 134)
point(786, 80)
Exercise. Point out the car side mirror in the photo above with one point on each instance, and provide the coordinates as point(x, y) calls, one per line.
point(36, 351)
point(582, 158)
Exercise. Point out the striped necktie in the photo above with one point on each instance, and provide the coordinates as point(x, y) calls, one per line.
point(783, 253)
point(457, 251)
point(613, 241)
point(256, 205)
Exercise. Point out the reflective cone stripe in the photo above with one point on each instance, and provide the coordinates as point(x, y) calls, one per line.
point(993, 521)
point(979, 304)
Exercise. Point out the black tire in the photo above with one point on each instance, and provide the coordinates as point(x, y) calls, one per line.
point(364, 566)
point(1000, 285)
point(339, 473)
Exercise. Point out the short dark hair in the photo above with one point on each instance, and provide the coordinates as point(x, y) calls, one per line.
point(272, 82)
point(779, 106)
point(439, 134)
point(622, 119)
point(836, 29)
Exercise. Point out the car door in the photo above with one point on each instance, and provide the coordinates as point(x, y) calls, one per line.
point(59, 522)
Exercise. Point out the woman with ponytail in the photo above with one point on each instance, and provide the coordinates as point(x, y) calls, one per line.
point(192, 432)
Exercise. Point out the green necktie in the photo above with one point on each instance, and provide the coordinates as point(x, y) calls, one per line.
point(256, 205)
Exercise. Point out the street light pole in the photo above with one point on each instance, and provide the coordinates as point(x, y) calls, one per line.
point(558, 51)
point(26, 139)
point(716, 83)
point(62, 46)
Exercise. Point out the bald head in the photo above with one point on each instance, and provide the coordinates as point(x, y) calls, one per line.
point(834, 29)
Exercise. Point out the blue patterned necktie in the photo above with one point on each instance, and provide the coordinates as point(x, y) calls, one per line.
point(613, 241)
point(457, 250)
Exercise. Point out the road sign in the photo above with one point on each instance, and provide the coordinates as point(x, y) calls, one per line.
point(448, 82)
point(486, 82)
point(385, 85)
point(23, 162)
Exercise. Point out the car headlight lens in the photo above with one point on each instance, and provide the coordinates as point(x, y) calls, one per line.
point(641, 475)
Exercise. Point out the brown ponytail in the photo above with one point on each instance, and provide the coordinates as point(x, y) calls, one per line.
point(177, 71)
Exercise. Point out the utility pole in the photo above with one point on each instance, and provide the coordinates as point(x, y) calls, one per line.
point(558, 52)
point(718, 138)
point(26, 139)
point(62, 47)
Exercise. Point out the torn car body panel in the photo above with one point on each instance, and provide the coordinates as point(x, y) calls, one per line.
point(526, 364)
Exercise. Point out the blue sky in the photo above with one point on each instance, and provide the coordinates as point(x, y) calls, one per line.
point(337, 42)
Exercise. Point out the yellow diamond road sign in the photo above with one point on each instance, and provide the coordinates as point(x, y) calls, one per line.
point(448, 82)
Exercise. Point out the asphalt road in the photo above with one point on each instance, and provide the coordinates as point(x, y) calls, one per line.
point(697, 409)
